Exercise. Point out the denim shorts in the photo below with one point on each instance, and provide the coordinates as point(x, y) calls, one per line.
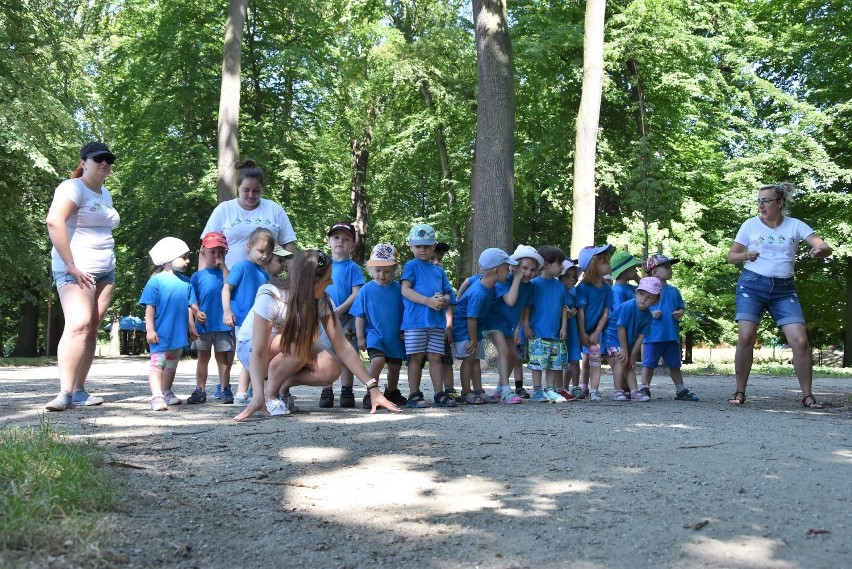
point(756, 294)
point(62, 278)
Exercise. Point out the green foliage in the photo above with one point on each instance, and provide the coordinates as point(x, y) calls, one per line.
point(53, 490)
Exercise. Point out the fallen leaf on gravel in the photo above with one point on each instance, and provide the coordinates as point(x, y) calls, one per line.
point(697, 525)
point(812, 532)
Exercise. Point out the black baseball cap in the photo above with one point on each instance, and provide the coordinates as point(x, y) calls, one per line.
point(92, 149)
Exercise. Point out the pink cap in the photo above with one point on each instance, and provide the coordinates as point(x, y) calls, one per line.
point(651, 285)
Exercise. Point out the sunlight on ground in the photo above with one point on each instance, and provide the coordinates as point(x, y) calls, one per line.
point(664, 426)
point(308, 455)
point(744, 551)
point(431, 498)
point(844, 454)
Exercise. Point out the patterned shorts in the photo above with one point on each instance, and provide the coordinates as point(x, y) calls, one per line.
point(166, 360)
point(545, 353)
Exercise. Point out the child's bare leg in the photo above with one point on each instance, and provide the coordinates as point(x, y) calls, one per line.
point(201, 369)
point(436, 372)
point(476, 375)
point(505, 357)
point(377, 364)
point(393, 376)
point(224, 361)
point(647, 374)
point(575, 373)
point(465, 374)
point(617, 373)
point(536, 378)
point(155, 380)
point(448, 375)
point(347, 378)
point(245, 381)
point(630, 378)
point(584, 373)
point(567, 373)
point(676, 375)
point(553, 375)
point(415, 371)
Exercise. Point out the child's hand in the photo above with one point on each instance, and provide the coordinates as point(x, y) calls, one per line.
point(200, 317)
point(584, 339)
point(563, 333)
point(152, 337)
point(218, 260)
point(593, 338)
point(621, 357)
point(193, 334)
point(656, 313)
point(435, 302)
point(362, 344)
point(631, 361)
point(517, 336)
point(678, 314)
point(571, 312)
point(229, 318)
point(528, 332)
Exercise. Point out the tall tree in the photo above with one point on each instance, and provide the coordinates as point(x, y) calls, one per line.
point(583, 222)
point(492, 188)
point(229, 100)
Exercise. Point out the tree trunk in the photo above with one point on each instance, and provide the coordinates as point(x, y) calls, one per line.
point(26, 346)
point(493, 184)
point(446, 171)
point(229, 101)
point(641, 129)
point(847, 324)
point(358, 197)
point(583, 222)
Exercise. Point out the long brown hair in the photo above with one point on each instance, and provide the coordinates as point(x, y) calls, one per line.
point(593, 273)
point(301, 323)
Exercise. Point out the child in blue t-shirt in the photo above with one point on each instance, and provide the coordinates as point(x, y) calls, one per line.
point(209, 316)
point(378, 317)
point(241, 287)
point(426, 292)
point(594, 297)
point(664, 339)
point(623, 270)
point(546, 325)
point(633, 324)
point(471, 310)
point(167, 298)
point(571, 366)
point(346, 280)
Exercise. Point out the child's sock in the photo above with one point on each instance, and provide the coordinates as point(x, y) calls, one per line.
point(585, 386)
point(346, 389)
point(679, 387)
point(519, 384)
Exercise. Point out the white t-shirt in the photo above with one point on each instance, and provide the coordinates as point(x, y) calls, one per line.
point(89, 228)
point(238, 223)
point(777, 247)
point(271, 305)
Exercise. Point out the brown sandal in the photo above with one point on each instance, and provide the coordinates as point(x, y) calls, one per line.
point(813, 404)
point(737, 398)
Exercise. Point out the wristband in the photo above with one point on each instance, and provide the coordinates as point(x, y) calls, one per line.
point(372, 383)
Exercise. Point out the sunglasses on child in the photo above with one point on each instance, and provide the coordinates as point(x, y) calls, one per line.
point(322, 261)
point(108, 157)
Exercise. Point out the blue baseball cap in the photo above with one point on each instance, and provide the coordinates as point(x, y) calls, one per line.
point(421, 234)
point(586, 254)
point(494, 257)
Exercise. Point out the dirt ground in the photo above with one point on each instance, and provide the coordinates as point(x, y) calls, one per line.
point(664, 484)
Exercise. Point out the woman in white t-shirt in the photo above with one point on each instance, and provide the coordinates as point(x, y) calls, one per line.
point(80, 223)
point(289, 335)
point(237, 218)
point(767, 244)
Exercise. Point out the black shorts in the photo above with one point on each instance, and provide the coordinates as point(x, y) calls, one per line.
point(374, 353)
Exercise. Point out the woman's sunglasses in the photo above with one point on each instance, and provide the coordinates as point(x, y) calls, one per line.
point(109, 159)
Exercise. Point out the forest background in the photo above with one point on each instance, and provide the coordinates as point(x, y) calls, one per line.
point(372, 104)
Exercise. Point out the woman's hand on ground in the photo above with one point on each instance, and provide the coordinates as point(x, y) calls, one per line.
point(256, 404)
point(379, 400)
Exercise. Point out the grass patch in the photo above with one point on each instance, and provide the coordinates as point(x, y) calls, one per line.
point(22, 362)
point(54, 494)
point(775, 369)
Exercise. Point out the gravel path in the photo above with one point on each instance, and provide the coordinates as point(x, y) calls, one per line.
point(664, 484)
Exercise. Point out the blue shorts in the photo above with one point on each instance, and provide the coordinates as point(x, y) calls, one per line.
point(653, 351)
point(62, 278)
point(546, 354)
point(460, 350)
point(244, 352)
point(756, 294)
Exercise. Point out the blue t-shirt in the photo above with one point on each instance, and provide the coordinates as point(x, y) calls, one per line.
point(171, 296)
point(665, 328)
point(474, 303)
point(621, 293)
point(572, 339)
point(344, 275)
point(427, 279)
point(246, 278)
point(593, 300)
point(381, 308)
point(548, 300)
point(207, 285)
point(634, 322)
point(501, 316)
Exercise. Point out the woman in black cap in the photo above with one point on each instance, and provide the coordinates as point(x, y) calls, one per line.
point(80, 224)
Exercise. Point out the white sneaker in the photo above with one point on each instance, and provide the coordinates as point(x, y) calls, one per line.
point(553, 396)
point(594, 395)
point(276, 408)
